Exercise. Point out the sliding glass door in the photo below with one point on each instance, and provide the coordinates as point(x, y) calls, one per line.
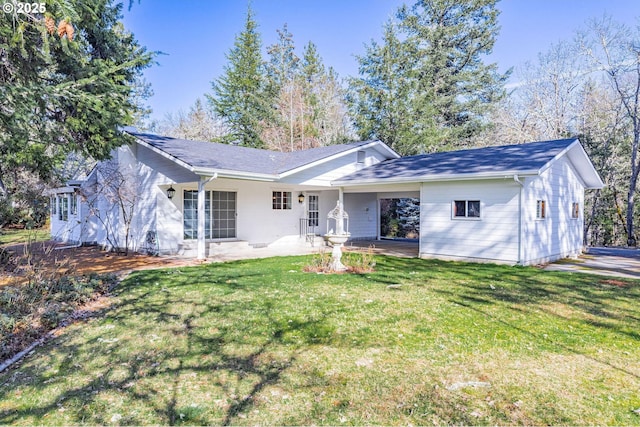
point(220, 214)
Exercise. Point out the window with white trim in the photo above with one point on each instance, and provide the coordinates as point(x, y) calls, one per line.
point(466, 209)
point(575, 210)
point(281, 200)
point(314, 210)
point(54, 205)
point(63, 208)
point(541, 209)
point(74, 204)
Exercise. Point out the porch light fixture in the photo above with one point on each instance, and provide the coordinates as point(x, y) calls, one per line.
point(300, 198)
point(171, 192)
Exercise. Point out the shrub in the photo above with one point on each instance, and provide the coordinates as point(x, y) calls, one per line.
point(361, 261)
point(34, 308)
point(356, 261)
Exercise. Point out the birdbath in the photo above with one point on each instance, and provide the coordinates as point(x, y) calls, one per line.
point(339, 216)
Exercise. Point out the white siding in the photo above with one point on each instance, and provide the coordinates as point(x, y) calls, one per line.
point(257, 221)
point(323, 174)
point(493, 237)
point(363, 211)
point(558, 235)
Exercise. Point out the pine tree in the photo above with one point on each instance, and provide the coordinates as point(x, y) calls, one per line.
point(426, 88)
point(283, 62)
point(282, 69)
point(240, 96)
point(380, 100)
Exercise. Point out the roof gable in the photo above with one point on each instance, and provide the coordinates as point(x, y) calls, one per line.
point(524, 159)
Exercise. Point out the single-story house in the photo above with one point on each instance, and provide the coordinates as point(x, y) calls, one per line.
point(516, 204)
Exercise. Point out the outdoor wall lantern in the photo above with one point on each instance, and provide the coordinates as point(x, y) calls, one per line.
point(171, 192)
point(300, 198)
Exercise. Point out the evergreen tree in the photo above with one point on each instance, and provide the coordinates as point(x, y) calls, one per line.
point(240, 96)
point(69, 80)
point(306, 99)
point(380, 100)
point(283, 91)
point(326, 113)
point(409, 217)
point(426, 88)
point(68, 74)
point(283, 61)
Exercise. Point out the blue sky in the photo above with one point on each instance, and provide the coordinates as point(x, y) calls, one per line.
point(195, 36)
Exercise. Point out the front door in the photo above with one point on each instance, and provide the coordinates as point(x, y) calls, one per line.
point(313, 210)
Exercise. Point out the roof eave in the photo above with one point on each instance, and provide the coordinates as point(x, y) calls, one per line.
point(164, 154)
point(221, 173)
point(437, 177)
point(589, 177)
point(231, 174)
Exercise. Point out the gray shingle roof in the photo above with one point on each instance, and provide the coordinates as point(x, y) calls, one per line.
point(506, 159)
point(224, 157)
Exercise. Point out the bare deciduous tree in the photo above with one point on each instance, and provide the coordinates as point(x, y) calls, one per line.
point(112, 200)
point(198, 124)
point(614, 49)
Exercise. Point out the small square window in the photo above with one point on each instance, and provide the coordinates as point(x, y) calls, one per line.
point(361, 156)
point(281, 200)
point(541, 209)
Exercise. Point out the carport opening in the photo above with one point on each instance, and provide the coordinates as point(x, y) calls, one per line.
point(400, 218)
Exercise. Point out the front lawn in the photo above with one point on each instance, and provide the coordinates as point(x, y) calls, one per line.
point(16, 235)
point(417, 342)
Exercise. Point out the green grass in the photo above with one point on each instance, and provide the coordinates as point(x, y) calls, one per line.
point(416, 342)
point(15, 236)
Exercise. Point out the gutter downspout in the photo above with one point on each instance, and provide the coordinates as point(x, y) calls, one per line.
point(202, 252)
point(521, 253)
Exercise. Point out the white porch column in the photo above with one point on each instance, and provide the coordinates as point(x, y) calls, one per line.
point(340, 222)
point(204, 180)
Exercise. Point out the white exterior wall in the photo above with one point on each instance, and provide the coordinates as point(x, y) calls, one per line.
point(493, 237)
point(558, 235)
point(322, 174)
point(363, 215)
point(257, 222)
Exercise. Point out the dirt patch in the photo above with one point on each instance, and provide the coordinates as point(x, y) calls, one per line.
point(55, 259)
point(612, 282)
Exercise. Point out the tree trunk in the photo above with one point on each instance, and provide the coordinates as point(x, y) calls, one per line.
point(631, 239)
point(633, 181)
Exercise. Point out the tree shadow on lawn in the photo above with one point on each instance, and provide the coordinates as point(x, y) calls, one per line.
point(210, 333)
point(587, 301)
point(153, 344)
